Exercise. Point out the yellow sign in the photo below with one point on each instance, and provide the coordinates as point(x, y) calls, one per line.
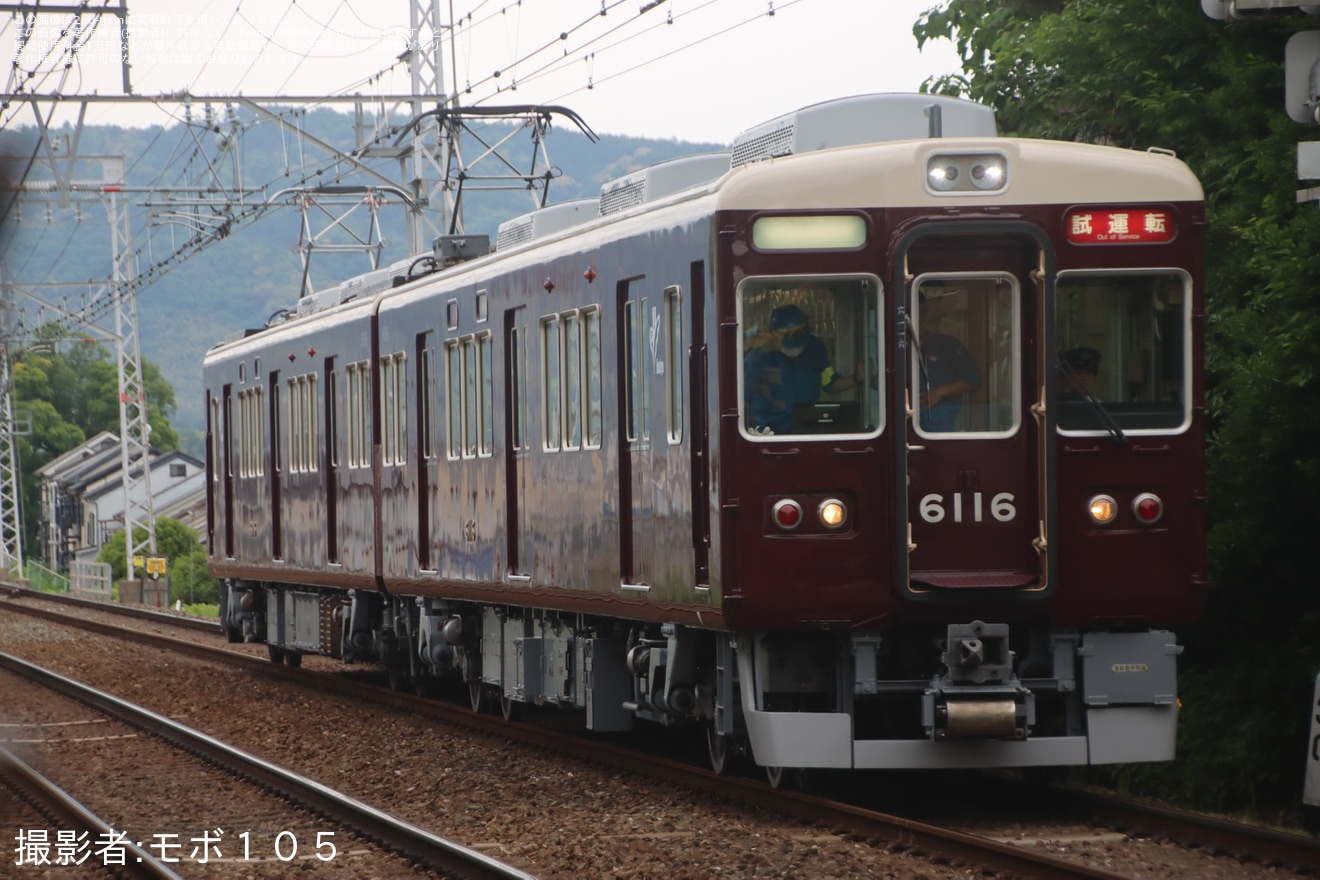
point(156, 565)
point(139, 561)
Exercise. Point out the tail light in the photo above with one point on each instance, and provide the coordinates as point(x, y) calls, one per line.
point(787, 514)
point(1147, 508)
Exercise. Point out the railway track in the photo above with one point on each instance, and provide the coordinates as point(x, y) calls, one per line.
point(263, 814)
point(37, 800)
point(1006, 858)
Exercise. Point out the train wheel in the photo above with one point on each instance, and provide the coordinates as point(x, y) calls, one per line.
point(794, 778)
point(422, 683)
point(275, 653)
point(397, 678)
point(721, 753)
point(293, 659)
point(475, 691)
point(510, 708)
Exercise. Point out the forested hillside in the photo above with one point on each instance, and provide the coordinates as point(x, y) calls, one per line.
point(238, 282)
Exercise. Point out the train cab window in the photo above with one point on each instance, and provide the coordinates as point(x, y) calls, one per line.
point(965, 368)
point(810, 356)
point(1123, 354)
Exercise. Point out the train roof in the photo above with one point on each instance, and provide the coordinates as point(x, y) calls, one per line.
point(863, 151)
point(894, 175)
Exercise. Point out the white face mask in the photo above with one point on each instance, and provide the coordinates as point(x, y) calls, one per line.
point(792, 350)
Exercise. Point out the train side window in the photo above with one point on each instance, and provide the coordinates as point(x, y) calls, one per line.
point(811, 356)
point(471, 400)
point(216, 435)
point(294, 425)
point(572, 381)
point(388, 409)
point(359, 414)
point(550, 387)
point(484, 359)
point(518, 374)
point(394, 406)
point(636, 335)
point(674, 369)
point(311, 427)
point(1122, 340)
point(454, 400)
point(332, 415)
point(425, 396)
point(595, 415)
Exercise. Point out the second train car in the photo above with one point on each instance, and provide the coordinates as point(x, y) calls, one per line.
point(874, 443)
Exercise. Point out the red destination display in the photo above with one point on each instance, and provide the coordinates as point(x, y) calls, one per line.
point(1120, 226)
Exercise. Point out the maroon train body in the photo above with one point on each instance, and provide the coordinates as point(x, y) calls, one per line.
point(573, 471)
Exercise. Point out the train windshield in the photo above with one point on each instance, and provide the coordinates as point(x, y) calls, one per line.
point(1122, 339)
point(810, 352)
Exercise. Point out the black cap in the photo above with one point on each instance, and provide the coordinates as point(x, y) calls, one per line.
point(1082, 359)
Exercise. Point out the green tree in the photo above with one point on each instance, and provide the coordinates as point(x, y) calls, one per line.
point(174, 541)
point(70, 391)
point(1141, 73)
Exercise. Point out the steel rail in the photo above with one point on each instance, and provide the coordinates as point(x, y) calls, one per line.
point(981, 851)
point(1262, 844)
point(1266, 845)
point(141, 612)
point(389, 831)
point(50, 798)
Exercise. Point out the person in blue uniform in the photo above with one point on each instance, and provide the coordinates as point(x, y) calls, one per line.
point(789, 367)
point(948, 372)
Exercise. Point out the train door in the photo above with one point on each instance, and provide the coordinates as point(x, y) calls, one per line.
point(276, 481)
point(517, 445)
point(227, 468)
point(699, 424)
point(636, 498)
point(978, 327)
point(426, 464)
point(331, 410)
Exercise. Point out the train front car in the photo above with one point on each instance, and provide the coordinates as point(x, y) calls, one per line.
point(960, 441)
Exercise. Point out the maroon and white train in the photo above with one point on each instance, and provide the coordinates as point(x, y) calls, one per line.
point(547, 470)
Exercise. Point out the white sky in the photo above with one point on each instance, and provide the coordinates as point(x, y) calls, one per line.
point(720, 67)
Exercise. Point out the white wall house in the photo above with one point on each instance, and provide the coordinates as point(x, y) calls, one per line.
point(82, 497)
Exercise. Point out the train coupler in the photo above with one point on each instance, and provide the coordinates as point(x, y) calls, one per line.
point(978, 713)
point(978, 696)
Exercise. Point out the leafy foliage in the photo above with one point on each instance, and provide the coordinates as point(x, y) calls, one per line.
point(174, 541)
point(1139, 72)
point(70, 392)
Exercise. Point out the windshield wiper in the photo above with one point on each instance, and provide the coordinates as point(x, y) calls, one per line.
point(1115, 432)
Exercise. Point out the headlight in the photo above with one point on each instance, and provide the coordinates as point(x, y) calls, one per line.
point(942, 175)
point(1103, 509)
point(832, 513)
point(967, 173)
point(989, 172)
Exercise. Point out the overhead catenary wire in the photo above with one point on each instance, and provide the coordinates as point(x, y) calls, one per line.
point(463, 27)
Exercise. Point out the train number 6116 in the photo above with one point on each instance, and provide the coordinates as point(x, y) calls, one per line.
point(933, 509)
